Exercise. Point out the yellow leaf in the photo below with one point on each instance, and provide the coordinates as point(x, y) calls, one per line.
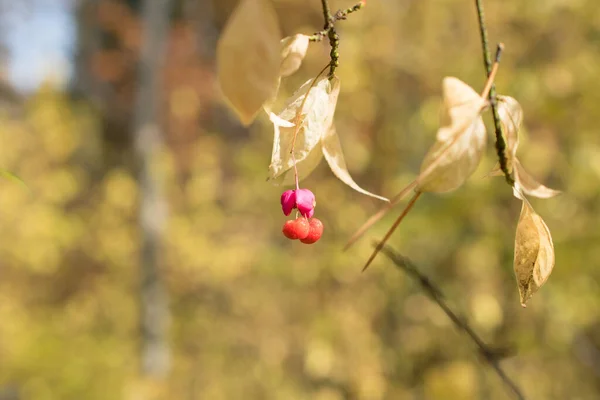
point(249, 57)
point(292, 53)
point(460, 141)
point(332, 150)
point(534, 253)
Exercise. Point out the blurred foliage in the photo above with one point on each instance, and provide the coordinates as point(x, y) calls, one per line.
point(255, 316)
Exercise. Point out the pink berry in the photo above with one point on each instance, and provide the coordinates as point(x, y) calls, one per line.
point(288, 201)
point(305, 201)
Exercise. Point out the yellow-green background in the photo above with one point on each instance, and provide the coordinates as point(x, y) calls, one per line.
point(256, 316)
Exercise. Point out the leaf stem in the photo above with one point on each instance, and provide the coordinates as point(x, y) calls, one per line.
point(500, 142)
point(490, 356)
point(297, 125)
point(389, 233)
point(492, 74)
point(380, 214)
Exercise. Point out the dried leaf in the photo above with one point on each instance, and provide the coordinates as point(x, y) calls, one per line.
point(534, 253)
point(460, 141)
point(511, 117)
point(316, 117)
point(305, 168)
point(292, 53)
point(249, 57)
point(332, 150)
point(525, 183)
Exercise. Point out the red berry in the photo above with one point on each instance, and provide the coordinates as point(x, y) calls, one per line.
point(315, 231)
point(296, 229)
point(302, 227)
point(289, 229)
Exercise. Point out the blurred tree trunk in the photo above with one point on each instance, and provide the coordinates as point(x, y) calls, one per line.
point(88, 42)
point(148, 140)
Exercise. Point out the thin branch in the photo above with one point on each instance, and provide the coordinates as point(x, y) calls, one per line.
point(338, 16)
point(395, 225)
point(334, 39)
point(500, 143)
point(331, 33)
point(489, 355)
point(327, 17)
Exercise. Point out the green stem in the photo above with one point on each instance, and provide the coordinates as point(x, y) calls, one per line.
point(326, 14)
point(334, 54)
point(500, 143)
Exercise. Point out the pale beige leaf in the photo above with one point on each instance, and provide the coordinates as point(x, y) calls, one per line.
point(316, 116)
point(249, 58)
point(268, 107)
point(527, 184)
point(293, 51)
point(534, 253)
point(460, 141)
point(305, 168)
point(511, 117)
point(461, 105)
point(332, 150)
point(496, 171)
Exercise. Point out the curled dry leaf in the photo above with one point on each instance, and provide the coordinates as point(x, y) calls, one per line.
point(305, 168)
point(511, 117)
point(315, 118)
point(249, 58)
point(293, 51)
point(525, 183)
point(316, 136)
point(332, 150)
point(534, 253)
point(460, 141)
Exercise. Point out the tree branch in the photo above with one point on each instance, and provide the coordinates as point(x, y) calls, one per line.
point(330, 31)
point(339, 15)
point(500, 143)
point(489, 355)
point(326, 14)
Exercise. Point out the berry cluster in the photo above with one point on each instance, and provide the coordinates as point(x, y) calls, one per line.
point(306, 228)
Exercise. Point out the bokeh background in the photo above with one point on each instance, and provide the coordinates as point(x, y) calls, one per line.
point(222, 306)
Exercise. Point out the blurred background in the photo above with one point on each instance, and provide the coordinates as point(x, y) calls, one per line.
point(144, 258)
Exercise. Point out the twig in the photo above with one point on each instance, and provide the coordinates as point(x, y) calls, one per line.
point(330, 32)
point(334, 39)
point(389, 233)
point(436, 295)
point(500, 143)
point(338, 16)
point(326, 14)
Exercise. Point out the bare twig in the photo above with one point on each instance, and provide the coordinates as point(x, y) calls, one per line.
point(489, 355)
point(389, 233)
point(330, 32)
point(339, 15)
point(327, 17)
point(500, 143)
